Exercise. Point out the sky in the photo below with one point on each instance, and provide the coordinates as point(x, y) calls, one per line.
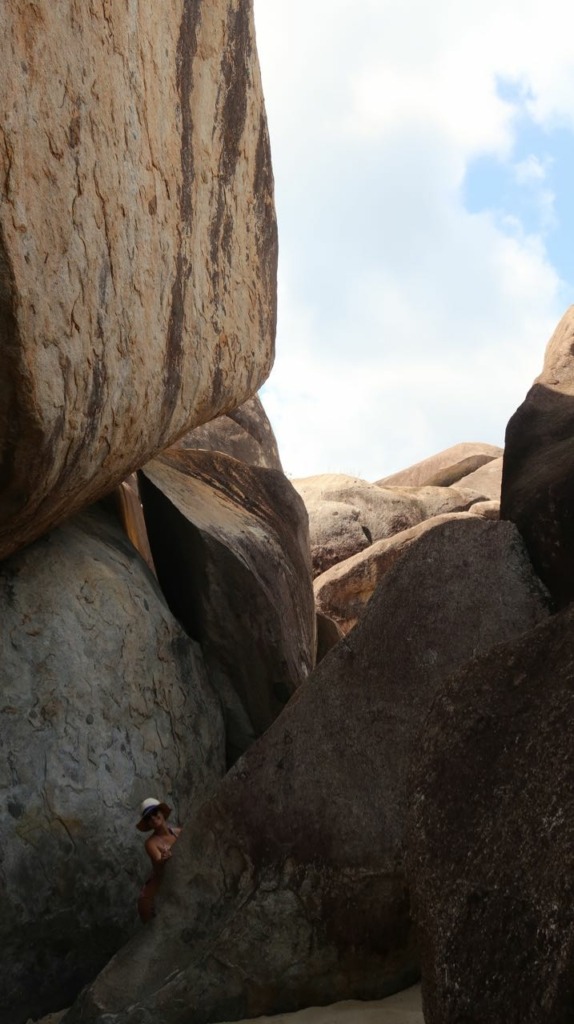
point(423, 157)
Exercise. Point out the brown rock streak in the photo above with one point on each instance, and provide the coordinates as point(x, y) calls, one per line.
point(186, 50)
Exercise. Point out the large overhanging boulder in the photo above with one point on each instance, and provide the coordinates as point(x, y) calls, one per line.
point(137, 240)
point(288, 889)
point(103, 701)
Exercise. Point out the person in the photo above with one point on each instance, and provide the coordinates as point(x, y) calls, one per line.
point(153, 818)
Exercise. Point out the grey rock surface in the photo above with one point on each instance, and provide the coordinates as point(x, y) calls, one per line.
point(491, 836)
point(245, 433)
point(103, 701)
point(288, 889)
point(138, 243)
point(231, 547)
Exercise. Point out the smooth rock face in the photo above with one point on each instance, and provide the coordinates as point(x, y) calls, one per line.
point(491, 836)
point(104, 701)
point(137, 240)
point(288, 888)
point(343, 592)
point(487, 479)
point(445, 468)
point(245, 433)
point(438, 501)
point(487, 509)
point(231, 547)
point(538, 473)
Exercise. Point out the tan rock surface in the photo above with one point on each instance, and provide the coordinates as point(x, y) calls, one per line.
point(402, 1008)
point(347, 514)
point(137, 240)
point(428, 470)
point(487, 479)
point(124, 502)
point(343, 591)
point(245, 433)
point(487, 509)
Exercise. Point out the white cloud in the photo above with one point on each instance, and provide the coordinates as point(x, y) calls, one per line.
point(530, 171)
point(406, 323)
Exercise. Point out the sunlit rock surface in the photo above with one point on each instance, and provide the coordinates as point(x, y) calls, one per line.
point(487, 479)
point(343, 592)
point(347, 514)
point(244, 433)
point(445, 468)
point(137, 240)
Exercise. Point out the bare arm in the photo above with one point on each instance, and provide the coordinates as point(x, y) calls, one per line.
point(157, 852)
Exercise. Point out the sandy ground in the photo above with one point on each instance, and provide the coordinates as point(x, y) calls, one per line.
point(403, 1008)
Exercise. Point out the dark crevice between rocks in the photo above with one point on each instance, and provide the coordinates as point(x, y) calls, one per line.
point(18, 427)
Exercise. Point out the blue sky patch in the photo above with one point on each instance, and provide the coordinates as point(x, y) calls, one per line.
point(530, 193)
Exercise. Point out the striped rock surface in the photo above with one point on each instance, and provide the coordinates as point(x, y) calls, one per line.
point(137, 240)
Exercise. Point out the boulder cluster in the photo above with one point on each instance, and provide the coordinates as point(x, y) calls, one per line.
point(355, 695)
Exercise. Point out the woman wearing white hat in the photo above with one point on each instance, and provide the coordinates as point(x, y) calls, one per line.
point(153, 818)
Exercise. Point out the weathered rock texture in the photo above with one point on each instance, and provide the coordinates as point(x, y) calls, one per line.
point(137, 240)
point(445, 468)
point(343, 592)
point(491, 838)
point(245, 433)
point(103, 700)
point(288, 888)
point(231, 548)
point(538, 473)
point(347, 514)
